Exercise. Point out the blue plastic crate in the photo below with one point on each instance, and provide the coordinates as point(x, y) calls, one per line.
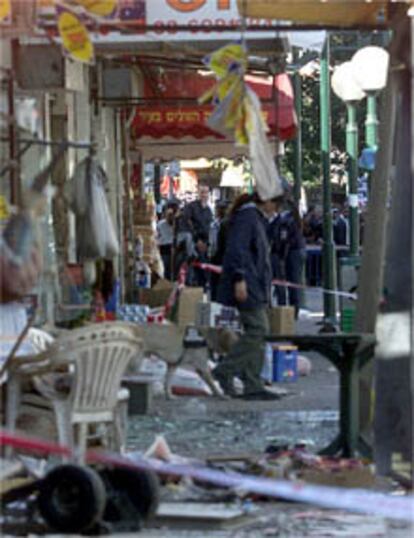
point(281, 363)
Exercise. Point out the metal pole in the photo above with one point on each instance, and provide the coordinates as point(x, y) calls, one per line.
point(157, 183)
point(15, 187)
point(328, 250)
point(352, 150)
point(297, 188)
point(371, 121)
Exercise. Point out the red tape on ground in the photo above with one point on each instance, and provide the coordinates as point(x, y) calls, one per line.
point(353, 500)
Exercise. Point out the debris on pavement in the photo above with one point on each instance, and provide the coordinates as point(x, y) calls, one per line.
point(191, 515)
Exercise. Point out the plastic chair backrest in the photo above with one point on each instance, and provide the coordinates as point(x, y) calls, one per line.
point(100, 354)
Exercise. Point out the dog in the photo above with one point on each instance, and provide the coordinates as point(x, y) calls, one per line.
point(169, 343)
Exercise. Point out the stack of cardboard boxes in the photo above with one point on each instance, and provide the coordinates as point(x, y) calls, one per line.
point(144, 228)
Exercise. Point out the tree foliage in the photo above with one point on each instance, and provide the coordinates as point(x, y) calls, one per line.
point(343, 46)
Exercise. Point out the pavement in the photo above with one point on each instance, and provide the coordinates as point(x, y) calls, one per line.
point(308, 411)
point(201, 427)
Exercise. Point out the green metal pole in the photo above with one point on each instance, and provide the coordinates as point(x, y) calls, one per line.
point(328, 250)
point(352, 150)
point(371, 121)
point(297, 187)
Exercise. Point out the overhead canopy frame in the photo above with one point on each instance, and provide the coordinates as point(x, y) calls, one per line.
point(342, 13)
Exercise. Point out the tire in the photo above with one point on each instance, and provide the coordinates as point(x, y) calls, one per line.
point(72, 498)
point(129, 491)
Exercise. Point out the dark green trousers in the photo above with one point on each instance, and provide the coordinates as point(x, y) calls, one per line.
point(246, 357)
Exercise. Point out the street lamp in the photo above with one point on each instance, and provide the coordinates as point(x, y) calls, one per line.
point(370, 68)
point(347, 89)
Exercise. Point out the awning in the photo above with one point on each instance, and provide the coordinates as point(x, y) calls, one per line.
point(347, 13)
point(174, 112)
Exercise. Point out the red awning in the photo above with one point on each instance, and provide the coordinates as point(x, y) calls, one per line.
point(177, 119)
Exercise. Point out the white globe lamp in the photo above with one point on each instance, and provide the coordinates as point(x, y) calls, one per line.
point(370, 68)
point(344, 84)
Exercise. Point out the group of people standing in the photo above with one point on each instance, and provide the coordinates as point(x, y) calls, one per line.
point(254, 241)
point(183, 234)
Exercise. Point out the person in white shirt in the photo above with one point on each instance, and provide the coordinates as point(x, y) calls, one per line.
point(165, 239)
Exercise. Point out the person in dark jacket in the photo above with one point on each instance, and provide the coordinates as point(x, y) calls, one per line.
point(274, 230)
point(197, 215)
point(245, 284)
point(196, 276)
point(219, 245)
point(340, 228)
point(294, 252)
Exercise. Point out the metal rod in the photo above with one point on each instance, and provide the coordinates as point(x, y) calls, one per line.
point(126, 171)
point(371, 121)
point(297, 188)
point(115, 101)
point(328, 250)
point(352, 150)
point(15, 187)
point(134, 26)
point(67, 143)
point(20, 154)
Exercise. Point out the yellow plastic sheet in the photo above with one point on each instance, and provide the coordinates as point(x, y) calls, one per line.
point(75, 37)
point(101, 8)
point(5, 10)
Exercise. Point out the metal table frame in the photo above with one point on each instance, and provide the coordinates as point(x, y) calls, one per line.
point(348, 353)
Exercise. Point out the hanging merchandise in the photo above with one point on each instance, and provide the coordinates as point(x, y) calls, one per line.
point(4, 209)
point(268, 181)
point(5, 11)
point(238, 112)
point(100, 8)
point(95, 233)
point(75, 37)
point(229, 64)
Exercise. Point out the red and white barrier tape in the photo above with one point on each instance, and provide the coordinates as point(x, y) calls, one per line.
point(353, 500)
point(218, 270)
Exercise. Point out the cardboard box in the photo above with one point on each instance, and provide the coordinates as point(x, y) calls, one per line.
point(187, 305)
point(280, 364)
point(282, 320)
point(156, 296)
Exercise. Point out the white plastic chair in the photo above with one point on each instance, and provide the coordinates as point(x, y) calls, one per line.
point(96, 357)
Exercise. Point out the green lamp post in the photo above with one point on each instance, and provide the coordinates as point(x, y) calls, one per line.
point(328, 249)
point(346, 88)
point(369, 70)
point(297, 186)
